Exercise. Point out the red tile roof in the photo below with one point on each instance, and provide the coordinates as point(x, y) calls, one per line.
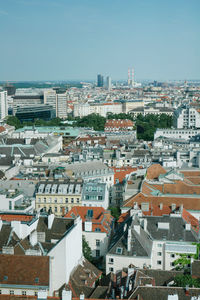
point(102, 218)
point(15, 217)
point(154, 171)
point(188, 203)
point(120, 173)
point(2, 129)
point(190, 219)
point(24, 269)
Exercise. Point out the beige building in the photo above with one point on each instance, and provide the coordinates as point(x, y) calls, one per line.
point(58, 195)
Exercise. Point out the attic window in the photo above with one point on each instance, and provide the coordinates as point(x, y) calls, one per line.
point(5, 278)
point(36, 280)
point(119, 250)
point(98, 229)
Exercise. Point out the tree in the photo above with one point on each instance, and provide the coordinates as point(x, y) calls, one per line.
point(87, 252)
point(186, 279)
point(115, 211)
point(14, 121)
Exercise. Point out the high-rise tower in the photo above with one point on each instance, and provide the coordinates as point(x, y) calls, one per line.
point(100, 80)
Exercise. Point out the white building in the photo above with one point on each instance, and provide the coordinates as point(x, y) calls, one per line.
point(3, 105)
point(57, 101)
point(173, 133)
point(186, 117)
point(95, 194)
point(150, 241)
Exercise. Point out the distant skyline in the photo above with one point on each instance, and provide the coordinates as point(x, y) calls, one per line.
point(78, 39)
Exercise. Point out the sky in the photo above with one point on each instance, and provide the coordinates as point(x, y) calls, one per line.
point(77, 39)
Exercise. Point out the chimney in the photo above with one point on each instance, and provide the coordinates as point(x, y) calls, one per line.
point(181, 208)
point(50, 220)
point(82, 296)
point(187, 290)
point(129, 240)
point(173, 206)
point(145, 224)
point(161, 206)
point(88, 226)
point(66, 294)
point(42, 294)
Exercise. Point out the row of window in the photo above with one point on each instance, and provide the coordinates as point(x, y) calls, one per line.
point(23, 293)
point(54, 209)
point(66, 200)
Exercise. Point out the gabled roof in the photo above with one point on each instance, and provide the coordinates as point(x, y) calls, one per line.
point(154, 171)
point(120, 173)
point(100, 218)
point(189, 203)
point(24, 270)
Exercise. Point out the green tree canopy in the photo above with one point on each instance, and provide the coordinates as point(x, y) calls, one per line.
point(87, 252)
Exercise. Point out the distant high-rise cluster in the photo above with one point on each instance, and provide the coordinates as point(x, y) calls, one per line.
point(100, 81)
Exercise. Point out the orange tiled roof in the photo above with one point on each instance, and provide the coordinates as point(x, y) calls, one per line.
point(120, 173)
point(190, 219)
point(188, 203)
point(123, 217)
point(15, 217)
point(2, 129)
point(177, 187)
point(154, 171)
point(102, 219)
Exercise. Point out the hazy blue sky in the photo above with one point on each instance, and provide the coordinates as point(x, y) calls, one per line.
point(76, 39)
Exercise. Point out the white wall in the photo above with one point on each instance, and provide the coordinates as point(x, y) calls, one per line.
point(91, 238)
point(65, 256)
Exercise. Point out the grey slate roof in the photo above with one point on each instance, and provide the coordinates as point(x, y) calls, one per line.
point(176, 231)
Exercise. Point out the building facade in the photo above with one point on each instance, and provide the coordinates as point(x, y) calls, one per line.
point(58, 196)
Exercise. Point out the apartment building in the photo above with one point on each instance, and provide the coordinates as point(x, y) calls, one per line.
point(58, 196)
point(150, 241)
point(3, 105)
point(186, 117)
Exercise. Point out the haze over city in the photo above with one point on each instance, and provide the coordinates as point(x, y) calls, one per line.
point(76, 40)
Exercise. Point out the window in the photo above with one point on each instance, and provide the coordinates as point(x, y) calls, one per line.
point(119, 250)
point(0, 292)
point(66, 200)
point(100, 198)
point(172, 255)
point(159, 253)
point(72, 200)
point(111, 260)
point(55, 200)
point(159, 245)
point(172, 264)
point(97, 253)
point(55, 209)
point(23, 292)
point(10, 205)
point(97, 242)
point(11, 292)
point(36, 280)
point(36, 293)
point(111, 269)
point(39, 199)
point(45, 199)
point(77, 200)
point(159, 262)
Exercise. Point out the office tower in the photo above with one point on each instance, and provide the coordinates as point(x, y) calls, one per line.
point(100, 80)
point(108, 83)
point(61, 110)
point(3, 105)
point(50, 98)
